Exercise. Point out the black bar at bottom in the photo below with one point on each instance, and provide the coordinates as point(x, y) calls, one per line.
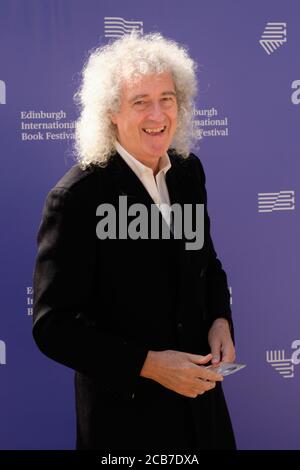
point(137, 459)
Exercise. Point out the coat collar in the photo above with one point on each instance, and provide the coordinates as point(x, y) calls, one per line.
point(127, 183)
point(179, 181)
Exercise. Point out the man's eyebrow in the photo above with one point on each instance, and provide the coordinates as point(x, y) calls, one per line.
point(139, 97)
point(173, 93)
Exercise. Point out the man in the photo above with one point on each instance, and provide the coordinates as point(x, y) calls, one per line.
point(137, 318)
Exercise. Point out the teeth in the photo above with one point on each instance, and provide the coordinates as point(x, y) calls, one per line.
point(158, 129)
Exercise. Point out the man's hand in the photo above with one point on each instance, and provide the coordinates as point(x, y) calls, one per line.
point(220, 341)
point(181, 372)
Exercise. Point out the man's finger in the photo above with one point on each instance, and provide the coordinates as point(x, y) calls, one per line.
point(197, 359)
point(216, 352)
point(228, 355)
point(202, 372)
point(216, 359)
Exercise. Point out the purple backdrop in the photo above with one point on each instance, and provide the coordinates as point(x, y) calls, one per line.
point(248, 115)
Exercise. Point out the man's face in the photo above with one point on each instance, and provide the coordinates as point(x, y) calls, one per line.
point(147, 118)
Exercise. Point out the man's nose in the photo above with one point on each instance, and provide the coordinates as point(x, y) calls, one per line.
point(155, 112)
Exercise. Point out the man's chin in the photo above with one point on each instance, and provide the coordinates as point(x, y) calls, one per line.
point(157, 151)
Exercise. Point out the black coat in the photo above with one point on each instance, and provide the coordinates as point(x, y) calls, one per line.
point(101, 305)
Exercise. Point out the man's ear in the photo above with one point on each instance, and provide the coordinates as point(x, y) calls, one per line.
point(112, 117)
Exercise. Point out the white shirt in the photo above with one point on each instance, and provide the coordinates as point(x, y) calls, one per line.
point(155, 185)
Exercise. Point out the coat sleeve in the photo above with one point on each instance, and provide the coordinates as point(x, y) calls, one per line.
point(216, 288)
point(63, 279)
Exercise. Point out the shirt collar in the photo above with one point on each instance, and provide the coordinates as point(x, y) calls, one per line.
point(138, 167)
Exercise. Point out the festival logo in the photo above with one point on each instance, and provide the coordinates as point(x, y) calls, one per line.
point(273, 37)
point(280, 201)
point(116, 27)
point(285, 364)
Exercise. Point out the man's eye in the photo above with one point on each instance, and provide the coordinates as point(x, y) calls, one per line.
point(168, 99)
point(140, 102)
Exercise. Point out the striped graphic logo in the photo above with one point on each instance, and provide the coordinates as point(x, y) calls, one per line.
point(116, 27)
point(283, 366)
point(281, 201)
point(273, 37)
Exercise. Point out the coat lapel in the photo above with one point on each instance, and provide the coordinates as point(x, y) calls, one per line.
point(176, 181)
point(126, 182)
point(180, 187)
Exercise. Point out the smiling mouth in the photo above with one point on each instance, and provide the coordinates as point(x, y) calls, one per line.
point(154, 130)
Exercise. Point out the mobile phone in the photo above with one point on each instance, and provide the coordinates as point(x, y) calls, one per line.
point(226, 368)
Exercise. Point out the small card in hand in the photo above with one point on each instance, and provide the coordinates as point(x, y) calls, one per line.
point(226, 368)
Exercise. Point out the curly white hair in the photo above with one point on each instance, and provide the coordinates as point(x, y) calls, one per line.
point(129, 58)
